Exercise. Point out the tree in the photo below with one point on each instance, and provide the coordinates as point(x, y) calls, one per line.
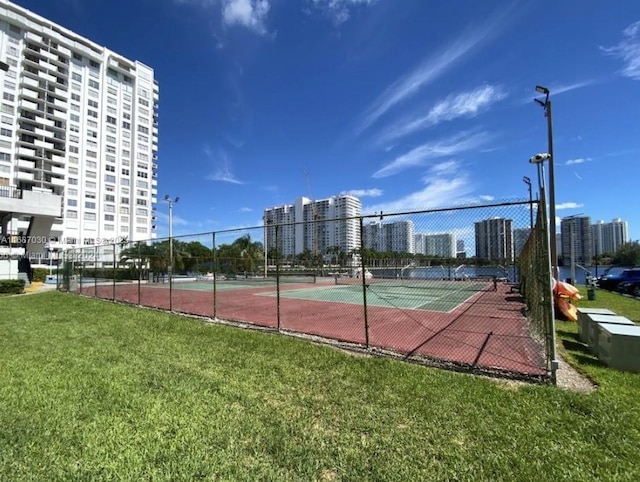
point(628, 254)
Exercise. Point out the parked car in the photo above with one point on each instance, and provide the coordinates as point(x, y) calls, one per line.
point(612, 278)
point(630, 287)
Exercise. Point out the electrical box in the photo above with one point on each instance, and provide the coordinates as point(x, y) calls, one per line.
point(594, 328)
point(619, 346)
point(583, 320)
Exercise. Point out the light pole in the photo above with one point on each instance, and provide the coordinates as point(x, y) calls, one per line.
point(168, 199)
point(546, 105)
point(527, 181)
point(538, 160)
point(267, 222)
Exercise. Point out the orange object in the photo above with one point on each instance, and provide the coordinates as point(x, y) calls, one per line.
point(565, 289)
point(566, 308)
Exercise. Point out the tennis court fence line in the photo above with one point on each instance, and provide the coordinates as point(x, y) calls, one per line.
point(463, 287)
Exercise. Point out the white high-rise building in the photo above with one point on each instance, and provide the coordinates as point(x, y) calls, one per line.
point(317, 226)
point(396, 236)
point(608, 237)
point(443, 244)
point(77, 121)
point(494, 239)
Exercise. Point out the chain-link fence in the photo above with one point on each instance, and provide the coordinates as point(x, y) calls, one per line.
point(466, 288)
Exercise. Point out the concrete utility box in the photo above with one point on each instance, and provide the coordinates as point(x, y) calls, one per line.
point(619, 346)
point(583, 320)
point(595, 327)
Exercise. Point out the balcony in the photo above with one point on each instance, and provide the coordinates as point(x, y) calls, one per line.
point(27, 104)
point(34, 37)
point(25, 151)
point(61, 171)
point(24, 176)
point(22, 164)
point(30, 82)
point(43, 144)
point(43, 75)
point(41, 132)
point(58, 159)
point(24, 92)
point(56, 181)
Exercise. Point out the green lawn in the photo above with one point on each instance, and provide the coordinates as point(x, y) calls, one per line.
point(91, 390)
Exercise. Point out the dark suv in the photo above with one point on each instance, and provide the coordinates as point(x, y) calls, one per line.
point(612, 279)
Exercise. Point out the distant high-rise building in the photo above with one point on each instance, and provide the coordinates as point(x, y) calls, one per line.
point(576, 240)
point(520, 237)
point(397, 236)
point(317, 226)
point(608, 237)
point(494, 239)
point(442, 244)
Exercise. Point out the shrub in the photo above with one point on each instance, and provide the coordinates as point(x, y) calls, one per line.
point(40, 274)
point(12, 286)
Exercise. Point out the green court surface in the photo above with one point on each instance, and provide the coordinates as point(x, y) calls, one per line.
point(434, 298)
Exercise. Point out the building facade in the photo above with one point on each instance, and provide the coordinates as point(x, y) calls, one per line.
point(608, 237)
point(396, 236)
point(494, 239)
point(577, 245)
point(444, 245)
point(320, 226)
point(79, 122)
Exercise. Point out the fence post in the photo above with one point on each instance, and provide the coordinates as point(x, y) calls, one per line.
point(95, 271)
point(364, 285)
point(114, 271)
point(215, 272)
point(140, 268)
point(277, 280)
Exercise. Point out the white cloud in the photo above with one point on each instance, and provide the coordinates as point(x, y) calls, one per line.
point(374, 192)
point(223, 171)
point(557, 89)
point(339, 10)
point(453, 145)
point(628, 49)
point(247, 13)
point(430, 69)
point(245, 210)
point(568, 205)
point(487, 197)
point(444, 185)
point(579, 160)
point(464, 104)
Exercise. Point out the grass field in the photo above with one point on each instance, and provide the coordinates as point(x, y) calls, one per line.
point(91, 390)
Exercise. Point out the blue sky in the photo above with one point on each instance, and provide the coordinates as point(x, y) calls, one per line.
point(407, 104)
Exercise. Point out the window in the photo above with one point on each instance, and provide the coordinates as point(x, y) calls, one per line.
point(92, 134)
point(92, 123)
point(91, 174)
point(124, 210)
point(110, 168)
point(110, 198)
point(72, 181)
point(73, 170)
point(111, 130)
point(7, 109)
point(141, 192)
point(141, 220)
point(124, 181)
point(92, 154)
point(74, 149)
point(110, 149)
point(110, 189)
point(8, 96)
point(126, 153)
point(72, 192)
point(9, 85)
point(111, 139)
point(124, 219)
point(125, 191)
point(125, 172)
point(112, 110)
point(141, 212)
point(143, 102)
point(109, 227)
point(90, 216)
point(75, 86)
point(141, 202)
point(141, 230)
point(76, 76)
point(90, 205)
point(75, 107)
point(126, 116)
point(77, 56)
point(92, 103)
point(110, 178)
point(72, 202)
point(71, 241)
point(74, 128)
point(109, 208)
point(92, 144)
point(111, 120)
point(142, 174)
point(73, 138)
point(109, 217)
point(92, 113)
point(124, 200)
point(142, 156)
point(93, 93)
point(94, 84)
point(89, 241)
point(71, 214)
point(5, 157)
point(90, 184)
point(74, 118)
point(5, 132)
point(143, 129)
point(75, 97)
point(143, 138)
point(126, 125)
point(7, 120)
point(90, 195)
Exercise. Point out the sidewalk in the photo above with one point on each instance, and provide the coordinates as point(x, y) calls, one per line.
point(39, 287)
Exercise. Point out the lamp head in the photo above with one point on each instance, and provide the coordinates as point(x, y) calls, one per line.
point(166, 197)
point(176, 200)
point(540, 158)
point(527, 180)
point(542, 90)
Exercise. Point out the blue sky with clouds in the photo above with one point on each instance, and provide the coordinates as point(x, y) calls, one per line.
point(407, 104)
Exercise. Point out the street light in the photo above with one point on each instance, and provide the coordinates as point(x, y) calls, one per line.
point(546, 105)
point(527, 181)
point(168, 199)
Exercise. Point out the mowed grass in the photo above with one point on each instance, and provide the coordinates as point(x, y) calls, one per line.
point(91, 390)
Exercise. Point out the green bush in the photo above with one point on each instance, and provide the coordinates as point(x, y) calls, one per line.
point(12, 286)
point(40, 274)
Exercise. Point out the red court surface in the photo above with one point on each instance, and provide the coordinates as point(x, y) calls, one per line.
point(486, 333)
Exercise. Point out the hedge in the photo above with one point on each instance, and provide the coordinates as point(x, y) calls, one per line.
point(12, 286)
